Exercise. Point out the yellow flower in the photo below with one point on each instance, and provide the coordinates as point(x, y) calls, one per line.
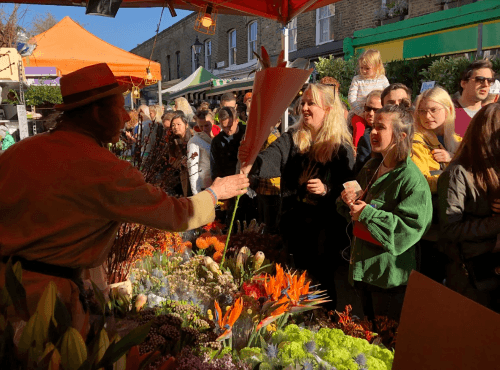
point(271, 328)
point(249, 311)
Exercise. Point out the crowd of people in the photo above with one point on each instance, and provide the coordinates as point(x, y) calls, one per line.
point(407, 185)
point(391, 185)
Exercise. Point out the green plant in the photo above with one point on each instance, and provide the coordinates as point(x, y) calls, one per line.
point(408, 72)
point(47, 340)
point(446, 71)
point(328, 347)
point(38, 95)
point(340, 69)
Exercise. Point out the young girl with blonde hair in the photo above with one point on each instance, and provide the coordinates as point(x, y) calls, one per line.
point(371, 77)
point(313, 158)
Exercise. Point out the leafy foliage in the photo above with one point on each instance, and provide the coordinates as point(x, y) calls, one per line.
point(408, 72)
point(340, 69)
point(38, 95)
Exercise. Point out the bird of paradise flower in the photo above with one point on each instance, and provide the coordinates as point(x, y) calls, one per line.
point(224, 324)
point(288, 293)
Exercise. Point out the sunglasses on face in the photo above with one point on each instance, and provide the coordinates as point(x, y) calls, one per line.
point(482, 80)
point(369, 109)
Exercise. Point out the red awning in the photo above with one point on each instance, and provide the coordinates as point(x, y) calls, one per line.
point(279, 10)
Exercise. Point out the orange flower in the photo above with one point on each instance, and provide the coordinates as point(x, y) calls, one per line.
point(203, 241)
point(226, 323)
point(217, 257)
point(220, 242)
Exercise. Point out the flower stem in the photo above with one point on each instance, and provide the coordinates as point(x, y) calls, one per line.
point(230, 228)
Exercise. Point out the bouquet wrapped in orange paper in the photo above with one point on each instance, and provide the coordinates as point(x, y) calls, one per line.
point(274, 89)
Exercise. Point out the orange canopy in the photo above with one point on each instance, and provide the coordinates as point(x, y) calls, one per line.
point(68, 46)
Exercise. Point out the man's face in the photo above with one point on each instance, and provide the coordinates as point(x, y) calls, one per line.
point(119, 115)
point(228, 103)
point(395, 97)
point(371, 106)
point(477, 87)
point(229, 126)
point(205, 125)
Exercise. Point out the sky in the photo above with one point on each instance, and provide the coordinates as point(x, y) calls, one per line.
point(129, 28)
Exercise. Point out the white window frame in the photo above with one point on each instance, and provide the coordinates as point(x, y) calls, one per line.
point(232, 47)
point(318, 22)
point(292, 35)
point(208, 53)
point(193, 61)
point(251, 56)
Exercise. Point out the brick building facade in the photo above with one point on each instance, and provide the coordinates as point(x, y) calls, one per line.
point(316, 33)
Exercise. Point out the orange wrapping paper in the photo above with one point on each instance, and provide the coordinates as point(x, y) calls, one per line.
point(273, 91)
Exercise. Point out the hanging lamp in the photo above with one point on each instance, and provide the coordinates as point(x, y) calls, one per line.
point(206, 21)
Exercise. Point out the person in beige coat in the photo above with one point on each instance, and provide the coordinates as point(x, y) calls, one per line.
point(68, 194)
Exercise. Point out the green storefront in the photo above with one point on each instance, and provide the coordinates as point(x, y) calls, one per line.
point(468, 28)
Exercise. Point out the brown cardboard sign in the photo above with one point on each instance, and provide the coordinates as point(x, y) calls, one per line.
point(441, 329)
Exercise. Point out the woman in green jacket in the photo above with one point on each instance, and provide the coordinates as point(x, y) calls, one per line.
point(392, 214)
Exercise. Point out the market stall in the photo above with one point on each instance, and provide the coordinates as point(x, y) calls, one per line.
point(57, 47)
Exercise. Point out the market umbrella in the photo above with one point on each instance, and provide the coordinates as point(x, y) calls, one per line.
point(280, 10)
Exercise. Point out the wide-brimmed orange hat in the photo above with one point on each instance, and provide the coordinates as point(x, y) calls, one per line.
point(87, 85)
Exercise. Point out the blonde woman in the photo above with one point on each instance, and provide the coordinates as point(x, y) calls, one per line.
point(155, 113)
point(183, 105)
point(435, 140)
point(434, 145)
point(314, 158)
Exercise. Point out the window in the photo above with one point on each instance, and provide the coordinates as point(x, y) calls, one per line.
point(292, 35)
point(232, 47)
point(178, 57)
point(252, 40)
point(208, 54)
point(324, 24)
point(168, 68)
point(193, 61)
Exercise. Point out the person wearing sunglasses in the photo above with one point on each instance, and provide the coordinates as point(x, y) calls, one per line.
point(434, 145)
point(474, 88)
point(364, 149)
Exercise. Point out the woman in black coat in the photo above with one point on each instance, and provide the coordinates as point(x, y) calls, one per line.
point(469, 211)
point(314, 159)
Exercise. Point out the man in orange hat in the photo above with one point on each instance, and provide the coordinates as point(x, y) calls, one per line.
point(68, 194)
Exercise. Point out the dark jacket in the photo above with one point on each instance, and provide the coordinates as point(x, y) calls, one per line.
point(469, 230)
point(224, 153)
point(281, 158)
point(364, 150)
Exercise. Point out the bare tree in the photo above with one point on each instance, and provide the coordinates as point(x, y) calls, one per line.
point(41, 23)
point(9, 25)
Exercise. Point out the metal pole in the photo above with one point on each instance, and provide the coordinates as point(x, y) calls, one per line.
point(160, 102)
point(284, 45)
point(131, 100)
point(480, 40)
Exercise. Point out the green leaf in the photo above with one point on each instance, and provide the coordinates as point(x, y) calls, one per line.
point(16, 291)
point(62, 317)
point(117, 350)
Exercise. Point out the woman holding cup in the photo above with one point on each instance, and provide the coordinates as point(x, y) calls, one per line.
point(390, 216)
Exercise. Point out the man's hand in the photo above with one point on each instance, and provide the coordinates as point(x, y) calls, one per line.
point(315, 186)
point(230, 186)
point(441, 156)
point(356, 209)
